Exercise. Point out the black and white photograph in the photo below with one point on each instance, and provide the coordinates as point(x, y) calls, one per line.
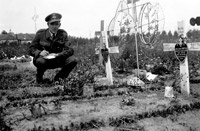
point(99, 65)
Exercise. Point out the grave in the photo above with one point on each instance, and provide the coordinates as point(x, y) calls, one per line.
point(130, 23)
point(104, 49)
point(181, 49)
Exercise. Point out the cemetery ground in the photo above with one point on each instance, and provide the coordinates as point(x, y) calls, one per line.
point(26, 105)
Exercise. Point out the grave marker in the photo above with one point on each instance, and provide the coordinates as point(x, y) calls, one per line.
point(104, 51)
point(181, 49)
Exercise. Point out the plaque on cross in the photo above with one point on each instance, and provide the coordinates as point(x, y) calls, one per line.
point(181, 49)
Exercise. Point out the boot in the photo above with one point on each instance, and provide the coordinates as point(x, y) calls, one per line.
point(39, 79)
point(65, 71)
point(39, 76)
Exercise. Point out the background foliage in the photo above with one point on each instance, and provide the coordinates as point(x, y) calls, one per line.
point(127, 57)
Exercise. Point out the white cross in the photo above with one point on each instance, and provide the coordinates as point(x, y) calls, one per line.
point(104, 45)
point(184, 72)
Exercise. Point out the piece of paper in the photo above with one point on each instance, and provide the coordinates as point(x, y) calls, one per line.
point(51, 56)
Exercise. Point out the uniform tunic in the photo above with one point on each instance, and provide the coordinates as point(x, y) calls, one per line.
point(60, 45)
point(44, 40)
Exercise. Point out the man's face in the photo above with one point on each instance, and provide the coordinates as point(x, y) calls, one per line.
point(54, 26)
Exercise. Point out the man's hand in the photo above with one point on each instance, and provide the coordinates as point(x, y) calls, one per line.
point(44, 53)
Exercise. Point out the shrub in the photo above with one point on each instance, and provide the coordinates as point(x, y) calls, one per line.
point(6, 67)
point(4, 126)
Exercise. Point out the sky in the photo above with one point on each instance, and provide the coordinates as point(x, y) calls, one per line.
point(81, 18)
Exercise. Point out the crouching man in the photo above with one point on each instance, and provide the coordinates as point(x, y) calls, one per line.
point(51, 49)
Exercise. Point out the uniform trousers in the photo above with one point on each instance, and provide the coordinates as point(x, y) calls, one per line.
point(66, 64)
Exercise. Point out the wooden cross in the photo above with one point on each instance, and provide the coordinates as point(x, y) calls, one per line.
point(184, 72)
point(103, 46)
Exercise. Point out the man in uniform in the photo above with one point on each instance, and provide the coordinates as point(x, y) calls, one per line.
point(51, 49)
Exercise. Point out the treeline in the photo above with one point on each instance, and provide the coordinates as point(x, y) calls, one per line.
point(16, 48)
point(86, 46)
point(156, 55)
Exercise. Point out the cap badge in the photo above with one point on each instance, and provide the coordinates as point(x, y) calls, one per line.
point(54, 16)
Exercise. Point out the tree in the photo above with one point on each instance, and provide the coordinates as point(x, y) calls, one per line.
point(170, 35)
point(176, 35)
point(163, 35)
point(4, 32)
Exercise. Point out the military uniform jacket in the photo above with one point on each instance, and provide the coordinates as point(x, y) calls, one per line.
point(44, 41)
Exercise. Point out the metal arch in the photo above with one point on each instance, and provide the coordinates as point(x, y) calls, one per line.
point(152, 36)
point(144, 8)
point(122, 8)
point(152, 27)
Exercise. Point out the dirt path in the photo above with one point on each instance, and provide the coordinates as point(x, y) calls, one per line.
point(103, 109)
point(149, 111)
